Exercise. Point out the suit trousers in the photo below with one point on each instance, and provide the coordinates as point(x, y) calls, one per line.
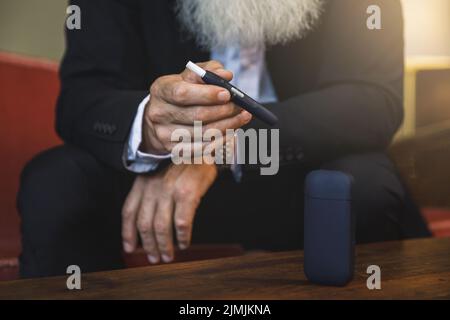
point(70, 207)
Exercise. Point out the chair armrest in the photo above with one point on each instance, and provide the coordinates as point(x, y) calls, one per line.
point(424, 163)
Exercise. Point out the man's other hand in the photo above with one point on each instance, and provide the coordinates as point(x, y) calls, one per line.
point(176, 101)
point(158, 204)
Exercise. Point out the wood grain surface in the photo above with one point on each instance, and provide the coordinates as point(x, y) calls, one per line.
point(414, 269)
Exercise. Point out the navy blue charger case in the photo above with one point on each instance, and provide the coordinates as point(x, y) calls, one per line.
point(329, 228)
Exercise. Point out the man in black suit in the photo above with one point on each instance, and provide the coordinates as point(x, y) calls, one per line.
point(335, 85)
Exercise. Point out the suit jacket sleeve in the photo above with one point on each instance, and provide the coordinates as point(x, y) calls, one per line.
point(356, 103)
point(103, 79)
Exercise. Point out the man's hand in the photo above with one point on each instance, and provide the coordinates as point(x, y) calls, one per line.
point(158, 203)
point(176, 101)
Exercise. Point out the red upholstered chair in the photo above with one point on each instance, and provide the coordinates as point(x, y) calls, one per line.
point(28, 92)
point(438, 221)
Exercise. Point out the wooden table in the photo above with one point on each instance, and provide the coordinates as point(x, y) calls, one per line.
point(416, 269)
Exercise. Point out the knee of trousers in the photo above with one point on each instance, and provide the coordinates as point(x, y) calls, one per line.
point(67, 203)
point(378, 196)
point(53, 186)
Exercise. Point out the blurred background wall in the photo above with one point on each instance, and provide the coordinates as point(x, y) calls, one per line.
point(427, 27)
point(33, 27)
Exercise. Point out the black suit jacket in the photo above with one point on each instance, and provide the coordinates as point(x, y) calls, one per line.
point(340, 88)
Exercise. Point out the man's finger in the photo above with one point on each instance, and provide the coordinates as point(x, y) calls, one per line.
point(182, 93)
point(145, 226)
point(206, 114)
point(210, 151)
point(189, 76)
point(185, 132)
point(163, 228)
point(187, 201)
point(129, 214)
point(184, 217)
point(235, 122)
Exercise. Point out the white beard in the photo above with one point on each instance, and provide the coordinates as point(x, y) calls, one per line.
point(218, 24)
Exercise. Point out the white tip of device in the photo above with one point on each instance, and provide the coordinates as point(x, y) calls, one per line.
point(196, 69)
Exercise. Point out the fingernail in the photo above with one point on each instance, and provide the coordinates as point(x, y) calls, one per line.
point(127, 247)
point(152, 259)
point(182, 246)
point(224, 96)
point(247, 115)
point(166, 258)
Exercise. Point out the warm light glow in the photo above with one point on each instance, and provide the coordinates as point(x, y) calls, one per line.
point(427, 27)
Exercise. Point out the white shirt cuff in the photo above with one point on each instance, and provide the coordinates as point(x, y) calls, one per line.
point(135, 160)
